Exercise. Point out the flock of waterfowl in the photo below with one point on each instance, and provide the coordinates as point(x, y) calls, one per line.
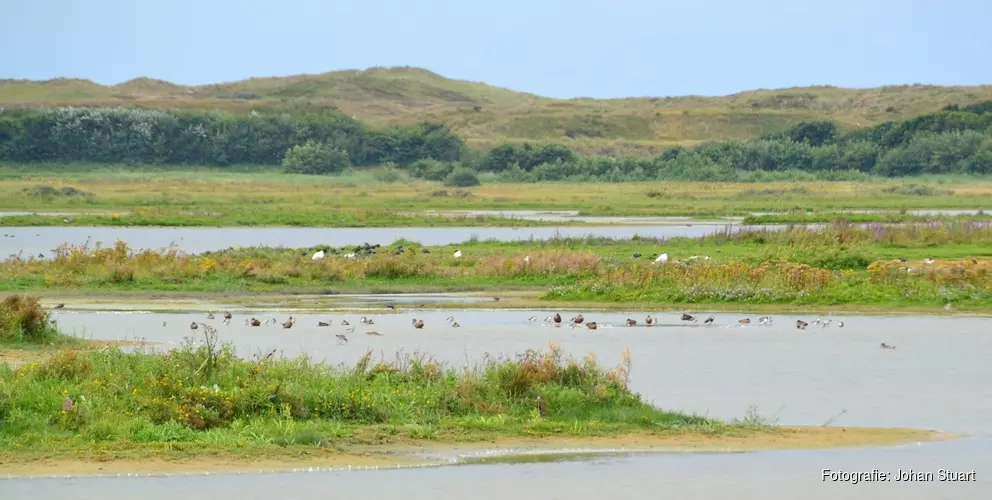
point(556, 320)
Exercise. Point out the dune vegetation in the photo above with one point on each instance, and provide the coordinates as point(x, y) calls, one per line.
point(924, 266)
point(486, 116)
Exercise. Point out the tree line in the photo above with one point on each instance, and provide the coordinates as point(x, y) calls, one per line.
point(954, 140)
point(126, 135)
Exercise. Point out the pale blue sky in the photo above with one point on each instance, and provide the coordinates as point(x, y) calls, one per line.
point(560, 48)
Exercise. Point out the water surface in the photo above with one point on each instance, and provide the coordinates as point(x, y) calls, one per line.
point(936, 378)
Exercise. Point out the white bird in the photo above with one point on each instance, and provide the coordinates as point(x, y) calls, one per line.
point(349, 255)
point(527, 259)
point(458, 254)
point(928, 261)
point(662, 258)
point(840, 324)
point(317, 256)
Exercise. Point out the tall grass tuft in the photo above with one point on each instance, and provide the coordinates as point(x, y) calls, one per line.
point(22, 319)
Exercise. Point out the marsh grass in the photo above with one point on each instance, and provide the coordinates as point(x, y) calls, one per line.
point(213, 197)
point(116, 400)
point(24, 321)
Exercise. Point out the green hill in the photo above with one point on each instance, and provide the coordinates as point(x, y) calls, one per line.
point(484, 115)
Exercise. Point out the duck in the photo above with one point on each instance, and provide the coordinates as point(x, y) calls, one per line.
point(688, 317)
point(631, 322)
point(193, 326)
point(887, 346)
point(255, 322)
point(58, 306)
point(578, 319)
point(745, 321)
point(592, 325)
point(289, 323)
point(341, 338)
point(367, 321)
point(648, 320)
point(801, 325)
point(374, 334)
point(840, 324)
point(210, 315)
point(557, 319)
point(323, 323)
point(708, 320)
point(344, 323)
point(418, 323)
point(765, 320)
point(227, 315)
point(532, 319)
point(456, 325)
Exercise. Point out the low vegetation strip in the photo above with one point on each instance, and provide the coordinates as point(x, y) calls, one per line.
point(924, 265)
point(207, 398)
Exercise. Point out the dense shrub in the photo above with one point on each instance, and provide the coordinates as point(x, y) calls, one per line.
point(462, 177)
point(315, 158)
point(22, 319)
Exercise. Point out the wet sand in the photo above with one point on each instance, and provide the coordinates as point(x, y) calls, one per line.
point(432, 453)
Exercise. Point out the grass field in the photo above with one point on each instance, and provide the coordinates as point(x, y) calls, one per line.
point(265, 197)
point(877, 267)
point(484, 115)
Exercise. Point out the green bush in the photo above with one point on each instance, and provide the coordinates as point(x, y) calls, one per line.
point(22, 319)
point(315, 158)
point(431, 170)
point(462, 177)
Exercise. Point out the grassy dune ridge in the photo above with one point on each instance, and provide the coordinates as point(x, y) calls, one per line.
point(485, 115)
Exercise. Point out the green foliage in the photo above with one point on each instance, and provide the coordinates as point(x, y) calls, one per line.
point(123, 135)
point(130, 399)
point(462, 177)
point(431, 170)
point(946, 142)
point(315, 158)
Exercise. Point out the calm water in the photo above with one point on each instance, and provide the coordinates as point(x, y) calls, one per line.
point(41, 240)
point(936, 378)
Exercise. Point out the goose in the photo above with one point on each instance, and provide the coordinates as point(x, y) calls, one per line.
point(578, 319)
point(662, 258)
point(458, 254)
point(631, 322)
point(318, 255)
point(418, 324)
point(289, 323)
point(887, 346)
point(649, 320)
point(323, 323)
point(255, 322)
point(688, 317)
point(193, 326)
point(708, 320)
point(341, 339)
point(592, 325)
point(745, 321)
point(801, 325)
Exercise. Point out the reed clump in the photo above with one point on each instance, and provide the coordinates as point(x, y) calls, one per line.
point(114, 399)
point(22, 319)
